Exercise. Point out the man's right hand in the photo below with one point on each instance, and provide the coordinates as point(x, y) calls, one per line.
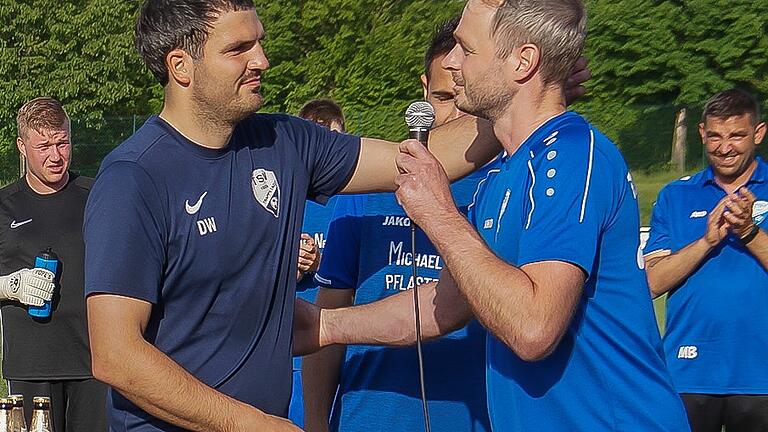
point(29, 286)
point(717, 226)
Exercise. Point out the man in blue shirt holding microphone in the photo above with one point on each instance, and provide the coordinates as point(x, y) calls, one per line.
point(708, 250)
point(549, 260)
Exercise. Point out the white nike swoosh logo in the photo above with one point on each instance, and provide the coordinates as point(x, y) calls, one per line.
point(15, 224)
point(195, 208)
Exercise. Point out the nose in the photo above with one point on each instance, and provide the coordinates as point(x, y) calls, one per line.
point(259, 60)
point(55, 153)
point(453, 59)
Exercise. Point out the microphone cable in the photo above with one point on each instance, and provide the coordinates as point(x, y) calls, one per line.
point(420, 117)
point(417, 315)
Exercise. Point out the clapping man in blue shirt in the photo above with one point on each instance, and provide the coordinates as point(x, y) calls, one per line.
point(709, 252)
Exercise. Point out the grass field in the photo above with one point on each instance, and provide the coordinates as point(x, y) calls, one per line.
point(648, 186)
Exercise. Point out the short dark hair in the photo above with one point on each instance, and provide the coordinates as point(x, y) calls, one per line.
point(732, 103)
point(166, 25)
point(41, 114)
point(323, 111)
point(442, 42)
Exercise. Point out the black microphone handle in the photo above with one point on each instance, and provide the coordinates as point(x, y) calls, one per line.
point(422, 135)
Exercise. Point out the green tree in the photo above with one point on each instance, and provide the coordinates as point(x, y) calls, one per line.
point(365, 55)
point(80, 52)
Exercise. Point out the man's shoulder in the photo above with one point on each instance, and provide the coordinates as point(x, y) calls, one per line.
point(572, 137)
point(82, 182)
point(684, 184)
point(264, 122)
point(10, 189)
point(140, 146)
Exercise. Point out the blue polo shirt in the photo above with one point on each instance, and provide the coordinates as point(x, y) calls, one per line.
point(210, 239)
point(316, 220)
point(369, 250)
point(566, 195)
point(716, 340)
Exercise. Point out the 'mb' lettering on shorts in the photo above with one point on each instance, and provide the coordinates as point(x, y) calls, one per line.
point(689, 352)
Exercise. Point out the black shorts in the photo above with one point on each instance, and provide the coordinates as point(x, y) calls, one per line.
point(76, 405)
point(738, 413)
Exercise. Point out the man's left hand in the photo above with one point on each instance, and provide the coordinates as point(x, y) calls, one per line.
point(738, 212)
point(423, 187)
point(574, 88)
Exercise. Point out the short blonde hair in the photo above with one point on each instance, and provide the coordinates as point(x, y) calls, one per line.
point(557, 27)
point(41, 114)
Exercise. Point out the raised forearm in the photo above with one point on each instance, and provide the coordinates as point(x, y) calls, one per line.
point(667, 272)
point(528, 314)
point(464, 145)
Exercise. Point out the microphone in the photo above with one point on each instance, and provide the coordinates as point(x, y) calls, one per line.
point(420, 117)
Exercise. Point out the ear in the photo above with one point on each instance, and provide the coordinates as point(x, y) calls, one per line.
point(180, 68)
point(759, 133)
point(526, 61)
point(702, 133)
point(425, 85)
point(22, 148)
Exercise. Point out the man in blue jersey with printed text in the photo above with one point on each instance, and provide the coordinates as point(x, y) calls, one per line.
point(193, 226)
point(549, 260)
point(708, 250)
point(314, 231)
point(368, 257)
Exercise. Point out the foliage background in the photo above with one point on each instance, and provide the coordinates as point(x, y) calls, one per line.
point(649, 58)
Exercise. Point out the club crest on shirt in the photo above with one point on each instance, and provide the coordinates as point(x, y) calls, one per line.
point(266, 190)
point(759, 211)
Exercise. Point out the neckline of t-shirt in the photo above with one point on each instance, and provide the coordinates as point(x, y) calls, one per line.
point(191, 146)
point(27, 189)
point(526, 145)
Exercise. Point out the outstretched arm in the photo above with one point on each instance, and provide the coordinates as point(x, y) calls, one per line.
point(462, 146)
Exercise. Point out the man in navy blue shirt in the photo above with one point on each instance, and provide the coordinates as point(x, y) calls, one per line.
point(193, 226)
point(314, 231)
point(549, 260)
point(367, 258)
point(708, 251)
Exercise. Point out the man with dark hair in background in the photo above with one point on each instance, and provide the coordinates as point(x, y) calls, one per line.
point(549, 260)
point(314, 232)
point(193, 226)
point(707, 250)
point(44, 209)
point(367, 259)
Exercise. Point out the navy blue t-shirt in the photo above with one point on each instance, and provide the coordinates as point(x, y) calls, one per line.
point(717, 329)
point(369, 250)
point(566, 195)
point(210, 239)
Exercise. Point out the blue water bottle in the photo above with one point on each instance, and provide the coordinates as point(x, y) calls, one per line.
point(49, 261)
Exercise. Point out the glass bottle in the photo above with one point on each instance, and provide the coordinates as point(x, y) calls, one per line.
point(17, 414)
point(6, 420)
point(41, 415)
